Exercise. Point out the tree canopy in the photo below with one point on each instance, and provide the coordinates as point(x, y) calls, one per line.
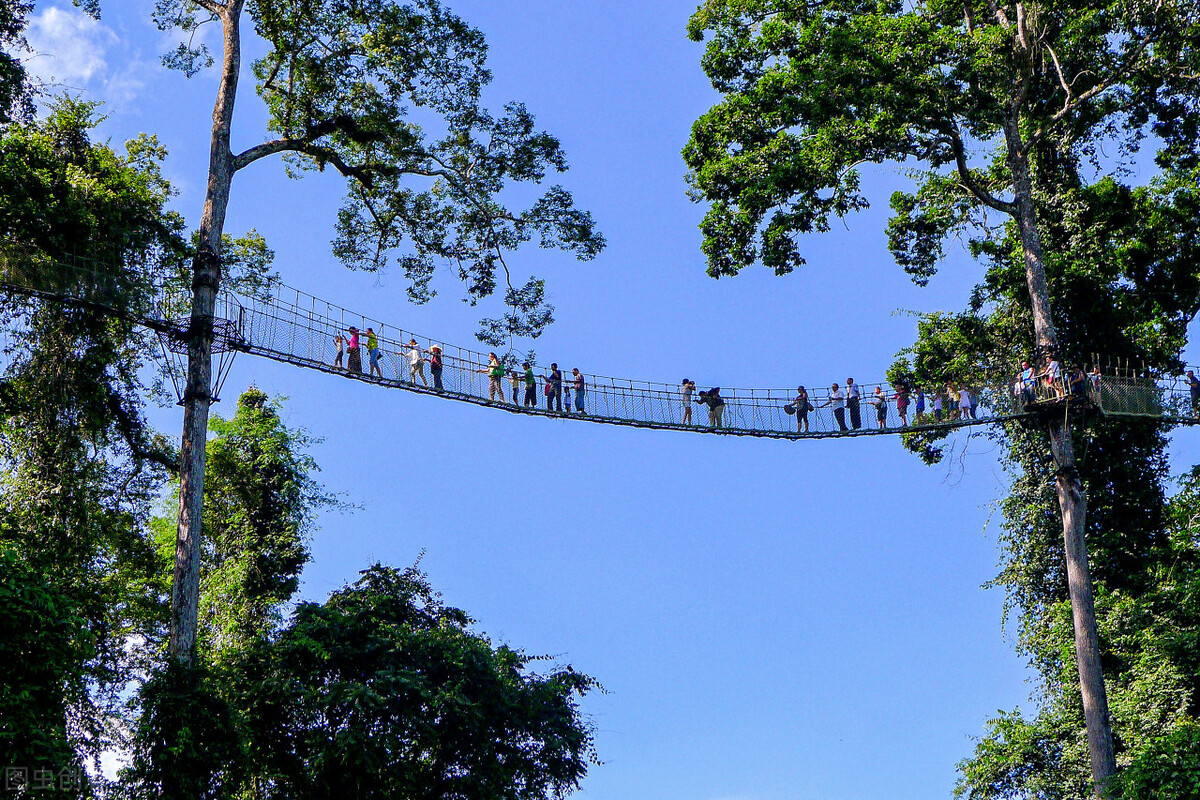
point(813, 90)
point(1005, 115)
point(389, 94)
point(384, 691)
point(79, 468)
point(381, 691)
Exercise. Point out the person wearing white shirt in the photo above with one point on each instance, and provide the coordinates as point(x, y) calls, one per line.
point(1053, 375)
point(837, 399)
point(965, 405)
point(416, 363)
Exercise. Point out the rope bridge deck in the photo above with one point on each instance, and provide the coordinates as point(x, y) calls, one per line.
point(290, 326)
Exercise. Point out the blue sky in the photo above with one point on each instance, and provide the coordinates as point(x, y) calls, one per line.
point(771, 619)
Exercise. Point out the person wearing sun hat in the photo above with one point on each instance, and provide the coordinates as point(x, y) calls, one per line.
point(435, 365)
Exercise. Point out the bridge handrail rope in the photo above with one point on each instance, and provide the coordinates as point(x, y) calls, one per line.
point(286, 324)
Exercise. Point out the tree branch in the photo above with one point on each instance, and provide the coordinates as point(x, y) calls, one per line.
point(999, 13)
point(1062, 79)
point(968, 178)
point(1070, 105)
point(307, 147)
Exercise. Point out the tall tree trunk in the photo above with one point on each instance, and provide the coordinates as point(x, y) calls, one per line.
point(206, 281)
point(1072, 501)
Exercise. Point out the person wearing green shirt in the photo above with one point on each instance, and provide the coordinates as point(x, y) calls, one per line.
point(530, 387)
point(373, 351)
point(495, 372)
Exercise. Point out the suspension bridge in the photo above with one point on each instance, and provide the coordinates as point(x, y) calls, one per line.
point(284, 324)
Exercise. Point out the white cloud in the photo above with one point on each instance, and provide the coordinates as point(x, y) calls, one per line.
point(68, 47)
point(69, 50)
point(125, 84)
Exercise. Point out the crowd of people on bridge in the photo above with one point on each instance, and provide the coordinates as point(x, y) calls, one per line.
point(941, 404)
point(556, 389)
point(949, 403)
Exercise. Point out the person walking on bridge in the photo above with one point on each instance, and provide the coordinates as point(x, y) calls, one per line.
point(838, 400)
point(801, 407)
point(579, 389)
point(530, 387)
point(495, 372)
point(373, 353)
point(339, 342)
point(353, 356)
point(902, 403)
point(554, 384)
point(716, 406)
point(853, 397)
point(416, 363)
point(436, 365)
point(1194, 392)
point(880, 401)
point(689, 386)
point(966, 403)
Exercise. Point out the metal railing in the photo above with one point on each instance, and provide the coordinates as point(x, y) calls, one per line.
point(288, 325)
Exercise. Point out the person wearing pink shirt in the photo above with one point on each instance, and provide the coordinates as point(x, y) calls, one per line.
point(353, 355)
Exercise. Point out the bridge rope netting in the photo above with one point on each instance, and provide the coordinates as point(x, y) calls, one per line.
point(285, 324)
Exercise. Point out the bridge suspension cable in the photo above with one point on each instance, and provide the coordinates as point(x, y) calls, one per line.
point(288, 325)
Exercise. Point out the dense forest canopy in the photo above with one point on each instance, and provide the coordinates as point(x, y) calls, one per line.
point(1006, 115)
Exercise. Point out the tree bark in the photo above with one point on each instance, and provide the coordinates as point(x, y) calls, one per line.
point(1072, 501)
point(1045, 334)
point(1073, 504)
point(206, 282)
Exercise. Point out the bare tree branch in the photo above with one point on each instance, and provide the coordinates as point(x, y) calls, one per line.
point(968, 177)
point(1062, 79)
point(1117, 75)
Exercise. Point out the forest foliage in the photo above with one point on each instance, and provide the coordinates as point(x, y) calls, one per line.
point(287, 698)
point(1005, 115)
